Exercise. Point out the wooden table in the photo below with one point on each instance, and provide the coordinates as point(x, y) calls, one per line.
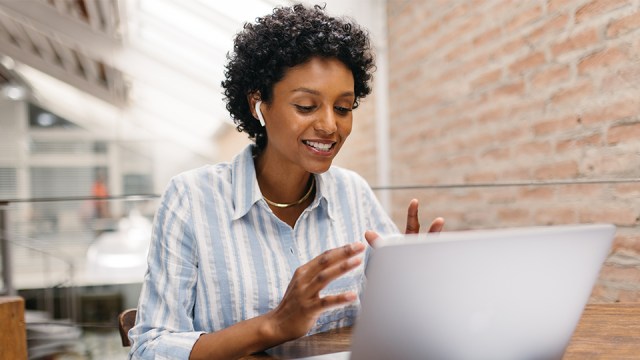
point(13, 332)
point(605, 331)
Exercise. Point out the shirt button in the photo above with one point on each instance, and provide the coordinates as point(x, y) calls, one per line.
point(291, 249)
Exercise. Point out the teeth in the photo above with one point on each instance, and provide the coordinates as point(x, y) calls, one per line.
point(319, 146)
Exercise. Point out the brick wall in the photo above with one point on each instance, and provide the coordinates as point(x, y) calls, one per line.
point(509, 91)
point(360, 152)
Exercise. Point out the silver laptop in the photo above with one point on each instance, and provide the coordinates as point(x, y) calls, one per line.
point(490, 294)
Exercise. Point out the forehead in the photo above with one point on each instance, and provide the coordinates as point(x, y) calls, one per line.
point(320, 74)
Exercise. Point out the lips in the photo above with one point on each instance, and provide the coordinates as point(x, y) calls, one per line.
point(320, 146)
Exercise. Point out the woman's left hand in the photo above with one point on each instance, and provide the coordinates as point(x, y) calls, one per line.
point(413, 224)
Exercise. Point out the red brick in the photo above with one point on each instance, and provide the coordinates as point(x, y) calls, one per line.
point(573, 94)
point(509, 135)
point(462, 160)
point(456, 126)
point(571, 192)
point(620, 274)
point(628, 296)
point(523, 109)
point(603, 294)
point(526, 17)
point(628, 190)
point(457, 12)
point(578, 41)
point(611, 161)
point(542, 193)
point(492, 115)
point(602, 60)
point(513, 216)
point(616, 111)
point(552, 75)
point(560, 170)
point(516, 173)
point(620, 215)
point(529, 62)
point(624, 133)
point(622, 80)
point(488, 78)
point(456, 33)
point(458, 52)
point(501, 196)
point(556, 124)
point(549, 28)
point(555, 216)
point(559, 5)
point(597, 8)
point(629, 243)
point(495, 154)
point(512, 47)
point(508, 90)
point(579, 143)
point(490, 36)
point(536, 148)
point(624, 25)
point(480, 177)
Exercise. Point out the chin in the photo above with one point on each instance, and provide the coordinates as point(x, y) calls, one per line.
point(319, 169)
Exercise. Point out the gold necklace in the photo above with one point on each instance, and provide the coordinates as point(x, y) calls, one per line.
point(302, 199)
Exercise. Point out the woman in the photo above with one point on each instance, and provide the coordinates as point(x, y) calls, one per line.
point(265, 249)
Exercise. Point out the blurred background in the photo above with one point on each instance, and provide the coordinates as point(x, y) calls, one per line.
point(492, 113)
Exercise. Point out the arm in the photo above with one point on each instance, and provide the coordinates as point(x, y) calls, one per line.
point(294, 316)
point(164, 326)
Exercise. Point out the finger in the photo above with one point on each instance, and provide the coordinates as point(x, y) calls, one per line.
point(371, 237)
point(330, 301)
point(437, 225)
point(325, 276)
point(413, 224)
point(331, 257)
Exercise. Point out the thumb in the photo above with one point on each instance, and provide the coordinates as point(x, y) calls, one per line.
point(371, 237)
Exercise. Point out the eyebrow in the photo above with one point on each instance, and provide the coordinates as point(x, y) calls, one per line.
point(316, 92)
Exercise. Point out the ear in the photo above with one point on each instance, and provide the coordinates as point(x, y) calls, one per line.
point(252, 99)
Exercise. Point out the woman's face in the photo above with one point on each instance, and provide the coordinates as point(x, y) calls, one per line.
point(309, 117)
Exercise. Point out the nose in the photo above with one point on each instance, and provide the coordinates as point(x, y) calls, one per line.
point(327, 122)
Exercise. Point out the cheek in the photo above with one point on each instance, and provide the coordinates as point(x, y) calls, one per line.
point(346, 128)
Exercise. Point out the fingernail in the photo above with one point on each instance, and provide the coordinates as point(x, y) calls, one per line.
point(356, 246)
point(354, 261)
point(350, 296)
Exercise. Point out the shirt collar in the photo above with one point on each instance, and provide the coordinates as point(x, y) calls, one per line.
point(324, 191)
point(246, 191)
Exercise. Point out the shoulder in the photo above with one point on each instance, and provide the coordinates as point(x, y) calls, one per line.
point(192, 182)
point(204, 176)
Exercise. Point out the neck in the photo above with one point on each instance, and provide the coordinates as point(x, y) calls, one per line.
point(281, 185)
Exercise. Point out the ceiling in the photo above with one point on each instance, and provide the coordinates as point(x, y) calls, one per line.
point(135, 70)
point(127, 69)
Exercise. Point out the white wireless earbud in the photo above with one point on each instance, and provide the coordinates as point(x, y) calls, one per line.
point(259, 113)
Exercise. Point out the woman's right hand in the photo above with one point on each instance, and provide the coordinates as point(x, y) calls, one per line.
point(302, 304)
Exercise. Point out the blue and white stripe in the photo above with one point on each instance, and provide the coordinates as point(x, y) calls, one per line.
point(219, 255)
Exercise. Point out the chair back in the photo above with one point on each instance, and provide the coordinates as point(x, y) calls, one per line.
point(126, 320)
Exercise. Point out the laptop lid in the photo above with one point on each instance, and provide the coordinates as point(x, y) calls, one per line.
point(490, 294)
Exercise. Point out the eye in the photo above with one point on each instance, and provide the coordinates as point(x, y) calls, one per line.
point(305, 109)
point(342, 110)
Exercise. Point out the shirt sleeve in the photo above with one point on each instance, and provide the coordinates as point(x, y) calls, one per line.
point(377, 218)
point(164, 323)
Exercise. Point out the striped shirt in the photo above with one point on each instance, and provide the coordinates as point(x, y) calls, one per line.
point(219, 255)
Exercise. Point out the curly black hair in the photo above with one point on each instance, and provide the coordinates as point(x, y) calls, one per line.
point(290, 36)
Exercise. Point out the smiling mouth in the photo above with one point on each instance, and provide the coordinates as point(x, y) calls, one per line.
point(319, 146)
